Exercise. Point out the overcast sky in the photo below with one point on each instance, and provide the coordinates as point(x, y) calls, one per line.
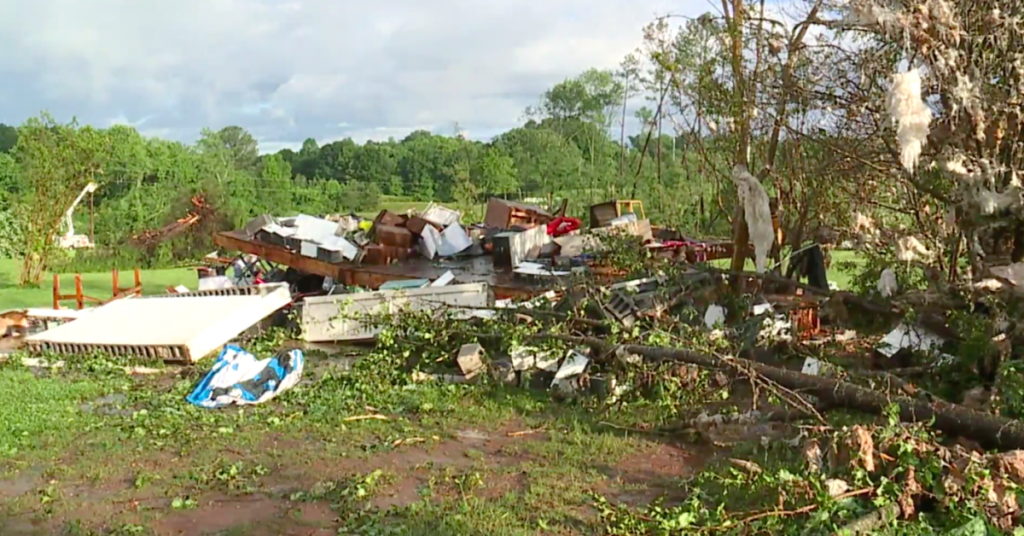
point(291, 69)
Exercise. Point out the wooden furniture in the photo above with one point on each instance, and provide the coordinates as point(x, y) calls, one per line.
point(80, 298)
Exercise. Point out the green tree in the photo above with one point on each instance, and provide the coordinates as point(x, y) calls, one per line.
point(242, 147)
point(590, 97)
point(358, 197)
point(496, 173)
point(335, 160)
point(307, 161)
point(8, 138)
point(57, 161)
point(546, 162)
point(377, 163)
point(424, 164)
point(9, 178)
point(11, 237)
point(276, 191)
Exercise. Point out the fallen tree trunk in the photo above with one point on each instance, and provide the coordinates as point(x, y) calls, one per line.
point(952, 419)
point(864, 303)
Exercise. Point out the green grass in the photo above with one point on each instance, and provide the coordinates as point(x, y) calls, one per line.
point(292, 449)
point(32, 408)
point(98, 285)
point(836, 274)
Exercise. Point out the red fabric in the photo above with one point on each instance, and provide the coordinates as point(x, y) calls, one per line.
point(563, 225)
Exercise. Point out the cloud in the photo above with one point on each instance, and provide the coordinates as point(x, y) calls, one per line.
point(291, 69)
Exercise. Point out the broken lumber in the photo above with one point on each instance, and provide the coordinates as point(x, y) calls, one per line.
point(955, 420)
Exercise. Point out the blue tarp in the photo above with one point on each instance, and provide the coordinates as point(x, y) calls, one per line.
point(239, 378)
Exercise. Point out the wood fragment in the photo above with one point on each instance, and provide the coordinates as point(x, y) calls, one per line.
point(375, 416)
point(805, 509)
point(521, 433)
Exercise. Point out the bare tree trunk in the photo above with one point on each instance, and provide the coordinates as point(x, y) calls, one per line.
point(622, 131)
point(734, 23)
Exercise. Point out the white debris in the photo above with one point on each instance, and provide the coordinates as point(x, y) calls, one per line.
point(431, 241)
point(836, 487)
point(758, 214)
point(1014, 273)
point(992, 203)
point(453, 240)
point(440, 215)
point(868, 13)
point(39, 362)
point(546, 361)
point(911, 115)
point(574, 365)
point(523, 357)
point(445, 279)
point(776, 328)
point(910, 337)
point(761, 308)
point(816, 367)
point(537, 269)
point(217, 282)
point(865, 227)
point(714, 316)
point(910, 249)
point(470, 360)
point(887, 285)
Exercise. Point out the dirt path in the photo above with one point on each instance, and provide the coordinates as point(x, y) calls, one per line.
point(506, 464)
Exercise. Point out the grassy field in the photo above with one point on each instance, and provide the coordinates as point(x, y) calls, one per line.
point(89, 450)
point(98, 285)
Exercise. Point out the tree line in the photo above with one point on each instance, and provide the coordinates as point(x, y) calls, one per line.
point(565, 148)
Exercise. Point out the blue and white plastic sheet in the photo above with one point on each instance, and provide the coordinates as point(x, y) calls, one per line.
point(239, 378)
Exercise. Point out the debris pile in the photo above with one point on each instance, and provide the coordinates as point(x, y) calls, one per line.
point(517, 250)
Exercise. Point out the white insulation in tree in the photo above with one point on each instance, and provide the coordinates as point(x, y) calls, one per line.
point(910, 249)
point(911, 115)
point(757, 212)
point(887, 285)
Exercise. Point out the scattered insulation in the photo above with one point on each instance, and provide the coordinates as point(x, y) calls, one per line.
point(887, 285)
point(865, 227)
point(910, 249)
point(911, 115)
point(869, 14)
point(758, 214)
point(991, 203)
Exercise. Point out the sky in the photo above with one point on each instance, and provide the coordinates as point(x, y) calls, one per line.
point(287, 70)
